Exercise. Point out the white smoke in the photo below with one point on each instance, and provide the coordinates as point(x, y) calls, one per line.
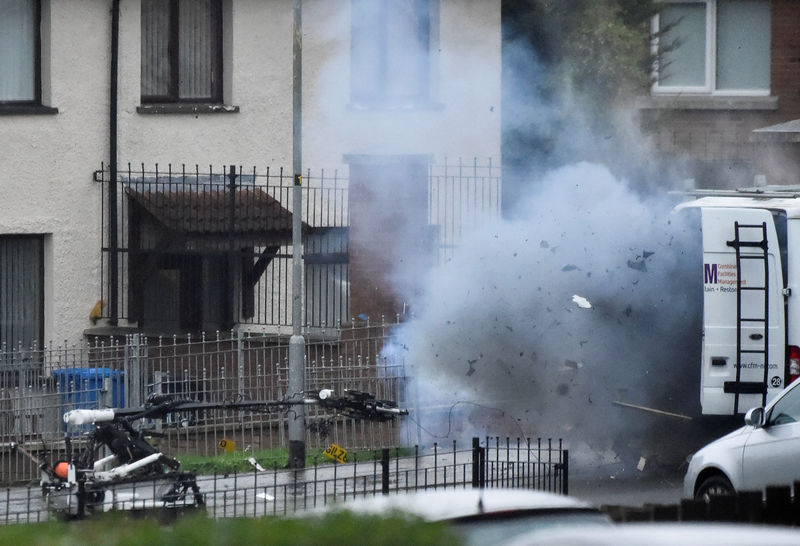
point(499, 345)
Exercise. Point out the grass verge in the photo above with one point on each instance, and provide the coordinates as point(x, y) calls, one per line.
point(116, 529)
point(269, 459)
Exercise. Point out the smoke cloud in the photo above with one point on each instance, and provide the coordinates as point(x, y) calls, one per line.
point(585, 294)
point(500, 337)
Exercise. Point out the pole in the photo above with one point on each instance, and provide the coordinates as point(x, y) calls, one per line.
point(113, 243)
point(297, 345)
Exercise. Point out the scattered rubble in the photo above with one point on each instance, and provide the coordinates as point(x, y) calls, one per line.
point(652, 410)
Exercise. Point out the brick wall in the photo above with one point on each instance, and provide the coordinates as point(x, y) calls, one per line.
point(785, 62)
point(715, 144)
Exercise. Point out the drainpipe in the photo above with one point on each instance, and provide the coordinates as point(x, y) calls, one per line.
point(113, 243)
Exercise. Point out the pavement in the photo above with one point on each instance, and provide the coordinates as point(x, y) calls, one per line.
point(620, 485)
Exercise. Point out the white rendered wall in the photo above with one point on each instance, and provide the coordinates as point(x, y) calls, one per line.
point(47, 161)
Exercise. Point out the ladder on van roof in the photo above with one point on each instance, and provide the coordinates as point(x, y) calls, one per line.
point(750, 387)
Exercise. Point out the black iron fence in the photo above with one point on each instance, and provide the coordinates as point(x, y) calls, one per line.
point(191, 249)
point(774, 506)
point(491, 462)
point(194, 250)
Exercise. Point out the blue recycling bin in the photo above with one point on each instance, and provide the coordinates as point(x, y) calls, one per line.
point(80, 387)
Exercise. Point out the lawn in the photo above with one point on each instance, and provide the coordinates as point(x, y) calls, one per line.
point(339, 528)
point(269, 459)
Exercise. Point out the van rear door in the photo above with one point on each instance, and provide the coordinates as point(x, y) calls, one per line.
point(722, 391)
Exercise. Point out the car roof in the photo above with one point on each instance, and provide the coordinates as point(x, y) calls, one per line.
point(450, 504)
point(662, 534)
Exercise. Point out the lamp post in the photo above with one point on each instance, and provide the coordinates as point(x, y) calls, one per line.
point(297, 345)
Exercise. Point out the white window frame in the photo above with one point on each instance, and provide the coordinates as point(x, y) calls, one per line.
point(711, 60)
point(35, 67)
point(386, 99)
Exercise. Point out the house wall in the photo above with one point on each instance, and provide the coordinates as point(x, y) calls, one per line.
point(713, 135)
point(47, 164)
point(464, 114)
point(785, 69)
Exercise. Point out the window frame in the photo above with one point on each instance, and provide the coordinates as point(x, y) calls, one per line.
point(173, 97)
point(37, 65)
point(710, 86)
point(791, 401)
point(382, 98)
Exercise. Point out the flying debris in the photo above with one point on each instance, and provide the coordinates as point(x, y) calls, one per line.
point(639, 262)
point(638, 265)
point(133, 475)
point(581, 302)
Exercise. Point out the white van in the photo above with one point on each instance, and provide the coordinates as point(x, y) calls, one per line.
point(751, 321)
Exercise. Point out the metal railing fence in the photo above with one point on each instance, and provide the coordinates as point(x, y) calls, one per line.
point(191, 249)
point(491, 463)
point(223, 368)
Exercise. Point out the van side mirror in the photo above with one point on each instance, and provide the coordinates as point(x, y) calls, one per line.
point(754, 417)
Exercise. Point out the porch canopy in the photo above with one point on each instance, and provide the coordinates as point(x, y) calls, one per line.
point(212, 217)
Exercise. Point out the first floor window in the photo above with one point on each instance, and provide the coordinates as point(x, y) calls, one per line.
point(181, 51)
point(19, 52)
point(390, 51)
point(713, 46)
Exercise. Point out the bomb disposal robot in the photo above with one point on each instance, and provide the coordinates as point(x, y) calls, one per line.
point(134, 475)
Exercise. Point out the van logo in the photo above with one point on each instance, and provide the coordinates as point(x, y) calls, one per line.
point(710, 274)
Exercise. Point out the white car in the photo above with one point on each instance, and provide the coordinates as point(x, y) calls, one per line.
point(763, 452)
point(663, 534)
point(483, 516)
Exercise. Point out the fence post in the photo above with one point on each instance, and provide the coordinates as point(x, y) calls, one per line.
point(385, 471)
point(227, 312)
point(693, 510)
point(105, 399)
point(240, 363)
point(750, 507)
point(565, 471)
point(126, 370)
point(722, 508)
point(778, 507)
point(135, 395)
point(475, 458)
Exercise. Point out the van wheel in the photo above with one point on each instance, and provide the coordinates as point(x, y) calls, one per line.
point(713, 486)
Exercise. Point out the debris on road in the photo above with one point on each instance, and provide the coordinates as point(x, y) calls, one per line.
point(255, 464)
point(652, 410)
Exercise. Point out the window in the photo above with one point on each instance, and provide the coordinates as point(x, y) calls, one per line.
point(713, 46)
point(20, 52)
point(786, 410)
point(181, 51)
point(21, 290)
point(391, 52)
